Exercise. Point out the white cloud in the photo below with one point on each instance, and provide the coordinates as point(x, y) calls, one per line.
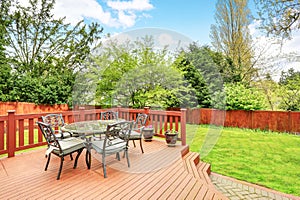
point(109, 13)
point(137, 5)
point(128, 20)
point(76, 10)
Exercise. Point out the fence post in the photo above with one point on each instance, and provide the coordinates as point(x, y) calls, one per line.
point(183, 126)
point(11, 133)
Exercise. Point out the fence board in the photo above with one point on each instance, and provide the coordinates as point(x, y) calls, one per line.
point(281, 121)
point(24, 107)
point(294, 122)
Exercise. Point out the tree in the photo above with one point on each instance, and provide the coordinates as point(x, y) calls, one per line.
point(231, 36)
point(5, 69)
point(202, 72)
point(39, 42)
point(41, 48)
point(240, 97)
point(136, 74)
point(154, 85)
point(290, 90)
point(279, 18)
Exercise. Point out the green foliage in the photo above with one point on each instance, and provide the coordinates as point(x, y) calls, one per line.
point(239, 97)
point(290, 90)
point(47, 89)
point(271, 91)
point(200, 70)
point(231, 37)
point(114, 61)
point(5, 69)
point(153, 85)
point(35, 37)
point(44, 54)
point(135, 74)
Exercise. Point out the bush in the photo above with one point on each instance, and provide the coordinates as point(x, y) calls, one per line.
point(239, 97)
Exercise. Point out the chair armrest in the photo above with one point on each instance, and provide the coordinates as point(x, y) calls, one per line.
point(140, 129)
point(62, 133)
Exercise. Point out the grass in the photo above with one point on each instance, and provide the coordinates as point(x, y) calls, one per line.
point(26, 142)
point(265, 158)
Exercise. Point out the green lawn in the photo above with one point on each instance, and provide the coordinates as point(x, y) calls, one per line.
point(264, 158)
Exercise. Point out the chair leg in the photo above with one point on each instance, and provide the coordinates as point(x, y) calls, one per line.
point(118, 156)
point(71, 156)
point(77, 156)
point(60, 167)
point(88, 159)
point(48, 160)
point(141, 146)
point(127, 157)
point(133, 143)
point(104, 166)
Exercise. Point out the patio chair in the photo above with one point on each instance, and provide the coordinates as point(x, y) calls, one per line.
point(109, 115)
point(60, 148)
point(115, 141)
point(136, 133)
point(56, 121)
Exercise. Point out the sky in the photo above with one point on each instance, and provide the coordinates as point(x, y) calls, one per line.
point(189, 18)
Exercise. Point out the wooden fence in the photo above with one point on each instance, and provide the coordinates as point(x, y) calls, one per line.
point(19, 131)
point(23, 107)
point(281, 121)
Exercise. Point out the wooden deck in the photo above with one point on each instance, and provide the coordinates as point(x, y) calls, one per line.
point(160, 173)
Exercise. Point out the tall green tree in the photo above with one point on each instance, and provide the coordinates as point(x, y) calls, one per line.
point(201, 71)
point(5, 69)
point(136, 74)
point(231, 36)
point(42, 48)
point(279, 18)
point(39, 42)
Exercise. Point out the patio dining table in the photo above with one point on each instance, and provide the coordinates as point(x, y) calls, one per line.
point(88, 129)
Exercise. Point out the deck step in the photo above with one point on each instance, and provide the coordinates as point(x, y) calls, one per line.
point(201, 171)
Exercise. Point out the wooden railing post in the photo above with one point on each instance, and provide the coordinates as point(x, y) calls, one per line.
point(147, 111)
point(119, 111)
point(81, 113)
point(183, 126)
point(11, 133)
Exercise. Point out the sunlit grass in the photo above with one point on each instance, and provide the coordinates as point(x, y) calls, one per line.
point(26, 142)
point(264, 158)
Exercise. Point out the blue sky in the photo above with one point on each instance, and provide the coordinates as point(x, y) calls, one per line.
point(192, 18)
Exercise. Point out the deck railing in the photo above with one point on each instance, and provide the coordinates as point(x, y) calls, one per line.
point(19, 131)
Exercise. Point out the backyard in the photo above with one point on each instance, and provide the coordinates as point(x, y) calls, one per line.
point(265, 158)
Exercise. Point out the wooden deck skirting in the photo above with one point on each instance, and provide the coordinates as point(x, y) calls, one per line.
point(162, 172)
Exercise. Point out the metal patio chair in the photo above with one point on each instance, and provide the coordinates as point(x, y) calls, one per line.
point(115, 141)
point(109, 115)
point(57, 121)
point(60, 148)
point(136, 133)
